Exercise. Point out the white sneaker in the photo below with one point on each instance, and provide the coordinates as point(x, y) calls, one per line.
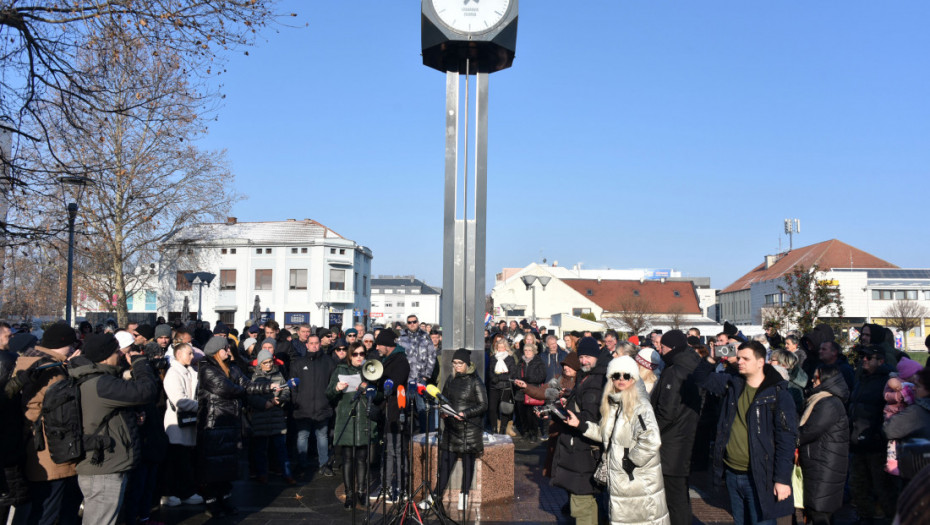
point(427, 501)
point(170, 501)
point(196, 499)
point(461, 501)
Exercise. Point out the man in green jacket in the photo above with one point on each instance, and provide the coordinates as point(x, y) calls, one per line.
point(113, 448)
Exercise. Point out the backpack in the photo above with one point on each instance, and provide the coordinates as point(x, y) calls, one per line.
point(62, 420)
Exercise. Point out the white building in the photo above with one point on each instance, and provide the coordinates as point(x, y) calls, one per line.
point(396, 298)
point(300, 271)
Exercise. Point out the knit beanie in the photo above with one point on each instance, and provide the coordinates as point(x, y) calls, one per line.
point(907, 368)
point(648, 358)
point(214, 345)
point(588, 346)
point(571, 361)
point(146, 331)
point(268, 341)
point(99, 347)
point(463, 355)
point(59, 335)
point(248, 343)
point(263, 356)
point(675, 339)
point(163, 330)
point(220, 329)
point(386, 337)
point(624, 365)
point(19, 343)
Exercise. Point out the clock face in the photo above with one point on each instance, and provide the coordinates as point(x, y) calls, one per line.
point(471, 16)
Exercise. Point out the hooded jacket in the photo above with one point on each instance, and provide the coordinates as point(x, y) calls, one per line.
point(677, 404)
point(772, 424)
point(309, 397)
point(468, 396)
point(105, 396)
point(866, 412)
point(824, 451)
point(421, 354)
point(637, 495)
point(575, 457)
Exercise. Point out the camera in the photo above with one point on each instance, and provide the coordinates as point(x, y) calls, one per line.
point(551, 409)
point(725, 351)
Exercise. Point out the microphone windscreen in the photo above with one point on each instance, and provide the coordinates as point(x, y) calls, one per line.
point(421, 389)
point(433, 390)
point(401, 397)
point(388, 386)
point(293, 382)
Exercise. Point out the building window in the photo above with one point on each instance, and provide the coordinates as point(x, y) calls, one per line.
point(912, 295)
point(400, 290)
point(232, 251)
point(303, 250)
point(293, 250)
point(332, 251)
point(578, 311)
point(388, 305)
point(677, 293)
point(342, 251)
point(899, 294)
point(258, 251)
point(227, 279)
point(375, 290)
point(150, 303)
point(927, 295)
point(355, 282)
point(415, 304)
point(337, 279)
point(263, 279)
point(298, 279)
point(181, 283)
point(635, 293)
point(228, 318)
point(223, 251)
point(129, 301)
point(365, 284)
point(388, 290)
point(267, 251)
point(400, 304)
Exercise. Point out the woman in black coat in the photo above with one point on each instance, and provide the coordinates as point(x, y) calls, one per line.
point(502, 369)
point(221, 391)
point(462, 433)
point(824, 440)
point(530, 371)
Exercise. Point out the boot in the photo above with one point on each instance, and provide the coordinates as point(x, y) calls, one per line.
point(228, 507)
point(510, 431)
point(215, 508)
point(350, 500)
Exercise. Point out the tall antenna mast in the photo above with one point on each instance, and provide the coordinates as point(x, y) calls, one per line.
point(792, 226)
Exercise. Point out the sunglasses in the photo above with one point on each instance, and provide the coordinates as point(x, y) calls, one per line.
point(358, 354)
point(617, 376)
point(342, 349)
point(412, 322)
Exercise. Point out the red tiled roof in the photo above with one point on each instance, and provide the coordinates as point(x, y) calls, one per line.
point(827, 255)
point(612, 295)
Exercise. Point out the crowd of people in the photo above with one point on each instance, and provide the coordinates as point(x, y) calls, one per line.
point(120, 420)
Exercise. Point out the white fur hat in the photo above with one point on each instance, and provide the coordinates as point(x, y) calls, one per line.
point(624, 365)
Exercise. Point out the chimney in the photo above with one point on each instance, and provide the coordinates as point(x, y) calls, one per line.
point(231, 220)
point(770, 261)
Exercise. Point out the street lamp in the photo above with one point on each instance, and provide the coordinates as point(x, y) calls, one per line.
point(528, 281)
point(201, 278)
point(73, 187)
point(507, 307)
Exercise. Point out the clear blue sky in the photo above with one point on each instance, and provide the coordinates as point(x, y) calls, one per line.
point(627, 134)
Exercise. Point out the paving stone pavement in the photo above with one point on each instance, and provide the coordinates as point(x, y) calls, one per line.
point(318, 500)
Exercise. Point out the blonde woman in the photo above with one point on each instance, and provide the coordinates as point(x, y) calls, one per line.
point(502, 369)
point(630, 435)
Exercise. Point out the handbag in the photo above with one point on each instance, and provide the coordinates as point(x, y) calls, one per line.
point(600, 472)
point(186, 418)
point(797, 485)
point(506, 407)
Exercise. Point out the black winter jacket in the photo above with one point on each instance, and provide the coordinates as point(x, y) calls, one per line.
point(677, 405)
point(397, 369)
point(824, 453)
point(268, 421)
point(219, 419)
point(865, 412)
point(501, 381)
point(468, 396)
point(534, 373)
point(575, 457)
point(772, 422)
point(309, 397)
point(11, 437)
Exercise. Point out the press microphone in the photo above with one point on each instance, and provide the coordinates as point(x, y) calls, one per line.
point(388, 387)
point(421, 388)
point(292, 382)
point(370, 393)
point(401, 397)
point(433, 390)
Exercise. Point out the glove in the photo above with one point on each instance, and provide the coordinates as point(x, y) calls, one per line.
point(17, 382)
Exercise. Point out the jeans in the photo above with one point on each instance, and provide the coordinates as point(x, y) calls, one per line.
point(103, 495)
point(51, 501)
point(260, 444)
point(744, 501)
point(320, 430)
point(395, 444)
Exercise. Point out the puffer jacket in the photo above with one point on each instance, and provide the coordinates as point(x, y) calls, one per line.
point(468, 396)
point(39, 465)
point(912, 422)
point(309, 397)
point(105, 395)
point(271, 421)
point(219, 419)
point(501, 381)
point(421, 354)
point(824, 452)
point(636, 495)
point(181, 390)
point(866, 406)
point(575, 457)
point(677, 405)
point(534, 373)
point(351, 430)
point(772, 422)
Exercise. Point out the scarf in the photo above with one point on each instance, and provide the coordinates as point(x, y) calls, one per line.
point(500, 367)
point(810, 405)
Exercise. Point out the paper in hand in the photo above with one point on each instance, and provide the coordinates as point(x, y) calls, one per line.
point(353, 380)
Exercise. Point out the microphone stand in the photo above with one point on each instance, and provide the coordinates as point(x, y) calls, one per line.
point(353, 414)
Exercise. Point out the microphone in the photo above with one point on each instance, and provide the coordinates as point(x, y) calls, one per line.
point(421, 388)
point(292, 382)
point(433, 390)
point(388, 387)
point(370, 393)
point(401, 397)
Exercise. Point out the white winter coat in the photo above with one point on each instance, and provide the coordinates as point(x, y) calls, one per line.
point(181, 389)
point(642, 499)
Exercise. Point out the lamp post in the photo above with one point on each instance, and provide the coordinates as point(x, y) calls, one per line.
point(73, 187)
point(528, 281)
point(201, 278)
